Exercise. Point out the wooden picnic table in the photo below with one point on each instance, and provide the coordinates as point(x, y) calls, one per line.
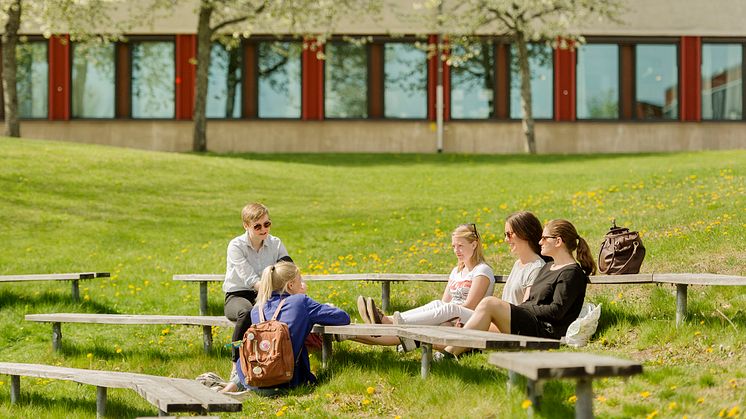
point(73, 277)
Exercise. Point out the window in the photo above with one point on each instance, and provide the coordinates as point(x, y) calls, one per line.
point(656, 81)
point(224, 83)
point(346, 81)
point(473, 84)
point(93, 81)
point(542, 82)
point(722, 81)
point(32, 83)
point(405, 81)
point(279, 79)
point(597, 79)
point(153, 73)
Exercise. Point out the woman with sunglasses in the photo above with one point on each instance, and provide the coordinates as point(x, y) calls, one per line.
point(522, 235)
point(556, 297)
point(248, 255)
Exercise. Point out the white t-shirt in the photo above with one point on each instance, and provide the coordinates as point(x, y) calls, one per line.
point(520, 278)
point(459, 283)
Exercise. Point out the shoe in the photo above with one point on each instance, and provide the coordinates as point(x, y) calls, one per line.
point(396, 318)
point(374, 314)
point(363, 309)
point(407, 345)
point(440, 356)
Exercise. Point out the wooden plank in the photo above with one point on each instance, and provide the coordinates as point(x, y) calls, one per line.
point(200, 277)
point(47, 277)
point(622, 279)
point(373, 277)
point(700, 279)
point(359, 329)
point(211, 400)
point(129, 319)
point(165, 397)
point(546, 365)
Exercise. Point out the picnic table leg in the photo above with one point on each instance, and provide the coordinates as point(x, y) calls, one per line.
point(680, 303)
point(56, 336)
point(427, 357)
point(584, 402)
point(385, 296)
point(203, 298)
point(100, 401)
point(535, 390)
point(76, 290)
point(15, 388)
point(326, 349)
point(207, 338)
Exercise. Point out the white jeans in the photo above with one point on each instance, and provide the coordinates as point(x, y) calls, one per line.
point(435, 313)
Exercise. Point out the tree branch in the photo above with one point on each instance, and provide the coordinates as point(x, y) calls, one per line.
point(239, 19)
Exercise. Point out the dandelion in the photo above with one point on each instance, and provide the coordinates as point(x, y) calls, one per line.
point(370, 390)
point(119, 350)
point(89, 355)
point(672, 406)
point(652, 414)
point(526, 404)
point(280, 413)
point(722, 413)
point(674, 387)
point(700, 400)
point(645, 394)
point(572, 399)
point(733, 412)
point(733, 382)
point(697, 333)
point(165, 331)
point(601, 399)
point(86, 297)
point(366, 402)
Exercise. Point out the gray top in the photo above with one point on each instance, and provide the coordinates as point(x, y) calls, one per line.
point(244, 265)
point(520, 278)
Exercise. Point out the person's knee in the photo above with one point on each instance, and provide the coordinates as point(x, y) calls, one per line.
point(243, 313)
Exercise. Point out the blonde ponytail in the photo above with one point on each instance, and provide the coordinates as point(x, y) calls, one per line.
point(275, 278)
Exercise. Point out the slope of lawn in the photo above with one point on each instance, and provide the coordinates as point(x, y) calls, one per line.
point(145, 216)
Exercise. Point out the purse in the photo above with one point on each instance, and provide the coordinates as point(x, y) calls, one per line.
point(622, 252)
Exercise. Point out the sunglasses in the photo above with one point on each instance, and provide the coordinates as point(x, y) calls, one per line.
point(548, 237)
point(509, 234)
point(259, 226)
point(474, 229)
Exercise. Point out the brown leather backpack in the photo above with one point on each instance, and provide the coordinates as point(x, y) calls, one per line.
point(621, 252)
point(267, 352)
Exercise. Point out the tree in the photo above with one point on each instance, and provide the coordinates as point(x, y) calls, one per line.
point(555, 22)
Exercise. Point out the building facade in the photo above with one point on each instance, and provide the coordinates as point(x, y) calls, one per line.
point(667, 78)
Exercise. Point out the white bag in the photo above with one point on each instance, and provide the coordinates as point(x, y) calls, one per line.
point(580, 331)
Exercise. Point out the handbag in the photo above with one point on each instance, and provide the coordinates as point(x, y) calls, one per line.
point(622, 252)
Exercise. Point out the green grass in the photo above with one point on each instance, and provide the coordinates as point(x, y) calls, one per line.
point(144, 216)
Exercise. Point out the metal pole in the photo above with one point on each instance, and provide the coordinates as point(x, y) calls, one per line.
point(427, 357)
point(680, 303)
point(326, 349)
point(385, 296)
point(100, 401)
point(56, 336)
point(15, 388)
point(76, 290)
point(584, 403)
point(203, 298)
point(207, 338)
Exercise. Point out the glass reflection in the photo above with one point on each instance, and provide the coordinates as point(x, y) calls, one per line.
point(279, 79)
point(153, 79)
point(722, 81)
point(598, 82)
point(346, 81)
point(656, 82)
point(473, 84)
point(32, 79)
point(93, 81)
point(224, 83)
point(405, 81)
point(542, 82)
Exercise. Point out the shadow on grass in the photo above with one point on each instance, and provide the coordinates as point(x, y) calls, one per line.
point(151, 352)
point(114, 409)
point(612, 315)
point(9, 299)
point(372, 159)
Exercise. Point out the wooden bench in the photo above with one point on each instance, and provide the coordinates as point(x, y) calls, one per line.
point(207, 322)
point(433, 335)
point(73, 277)
point(583, 367)
point(167, 394)
point(682, 281)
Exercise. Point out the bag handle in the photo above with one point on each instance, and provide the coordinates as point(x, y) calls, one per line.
point(613, 256)
point(274, 317)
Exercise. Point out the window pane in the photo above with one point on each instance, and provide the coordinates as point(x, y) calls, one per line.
point(473, 85)
point(722, 91)
point(153, 79)
point(224, 83)
point(542, 81)
point(279, 79)
point(346, 81)
point(656, 82)
point(32, 81)
point(93, 81)
point(598, 82)
point(405, 81)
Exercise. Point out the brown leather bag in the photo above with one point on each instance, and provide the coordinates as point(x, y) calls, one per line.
point(621, 252)
point(267, 352)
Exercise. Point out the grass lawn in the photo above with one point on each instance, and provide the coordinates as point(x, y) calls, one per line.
point(145, 216)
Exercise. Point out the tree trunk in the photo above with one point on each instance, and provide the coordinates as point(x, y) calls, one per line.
point(527, 119)
point(10, 39)
point(204, 45)
point(234, 61)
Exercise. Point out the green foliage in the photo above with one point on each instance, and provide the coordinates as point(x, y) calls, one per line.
point(145, 216)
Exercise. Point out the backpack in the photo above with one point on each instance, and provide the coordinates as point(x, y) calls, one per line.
point(266, 352)
point(621, 252)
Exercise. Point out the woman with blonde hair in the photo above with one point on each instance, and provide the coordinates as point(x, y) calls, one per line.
point(282, 282)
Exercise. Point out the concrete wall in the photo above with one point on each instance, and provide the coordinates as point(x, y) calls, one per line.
point(398, 136)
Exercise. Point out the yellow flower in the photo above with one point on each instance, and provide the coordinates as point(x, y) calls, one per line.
point(601, 398)
point(722, 413)
point(709, 350)
point(119, 350)
point(572, 399)
point(366, 402)
point(645, 394)
point(166, 331)
point(397, 417)
point(733, 412)
point(526, 404)
point(89, 355)
point(280, 413)
point(370, 390)
point(86, 297)
point(700, 400)
point(697, 333)
point(672, 406)
point(652, 414)
point(673, 387)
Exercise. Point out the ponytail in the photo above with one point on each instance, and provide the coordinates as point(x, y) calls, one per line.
point(585, 258)
point(275, 278)
point(573, 242)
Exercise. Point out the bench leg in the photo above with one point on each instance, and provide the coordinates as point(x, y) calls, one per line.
point(207, 338)
point(100, 401)
point(203, 298)
point(56, 336)
point(680, 303)
point(76, 290)
point(584, 402)
point(535, 391)
point(427, 358)
point(15, 388)
point(326, 349)
point(162, 413)
point(385, 296)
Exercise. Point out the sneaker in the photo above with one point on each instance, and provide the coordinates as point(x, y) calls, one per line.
point(363, 309)
point(396, 318)
point(440, 356)
point(374, 314)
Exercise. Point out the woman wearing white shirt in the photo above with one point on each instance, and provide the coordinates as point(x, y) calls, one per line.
point(522, 235)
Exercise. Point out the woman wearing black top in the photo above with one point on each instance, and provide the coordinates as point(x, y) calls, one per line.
point(555, 298)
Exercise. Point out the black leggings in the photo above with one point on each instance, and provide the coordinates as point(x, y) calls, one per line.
point(237, 308)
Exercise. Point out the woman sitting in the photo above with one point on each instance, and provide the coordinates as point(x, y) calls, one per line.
point(522, 235)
